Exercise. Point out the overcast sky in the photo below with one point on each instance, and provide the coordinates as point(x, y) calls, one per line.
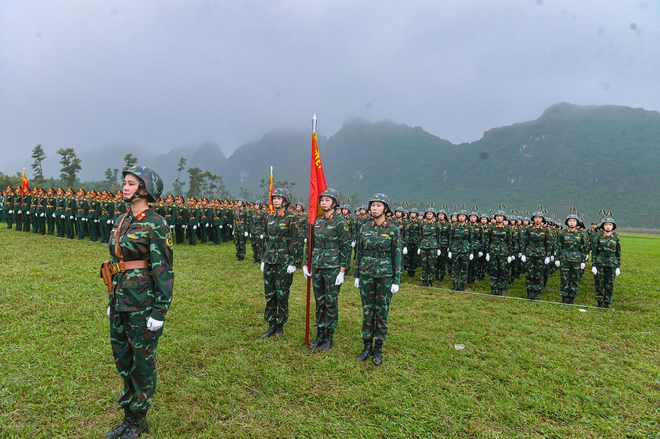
point(162, 74)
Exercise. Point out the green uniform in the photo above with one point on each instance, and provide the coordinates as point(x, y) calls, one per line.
point(241, 219)
point(606, 258)
point(192, 224)
point(499, 253)
point(50, 214)
point(257, 228)
point(460, 247)
point(8, 208)
point(429, 243)
point(538, 245)
point(572, 253)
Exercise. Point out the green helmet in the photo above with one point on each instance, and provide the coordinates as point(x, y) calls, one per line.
point(501, 212)
point(381, 198)
point(462, 212)
point(242, 200)
point(573, 216)
point(607, 219)
point(153, 184)
point(430, 209)
point(301, 204)
point(346, 206)
point(538, 213)
point(284, 193)
point(329, 192)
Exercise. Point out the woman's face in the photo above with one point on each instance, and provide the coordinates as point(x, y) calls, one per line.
point(428, 215)
point(277, 202)
point(376, 208)
point(608, 227)
point(326, 203)
point(131, 186)
point(538, 220)
point(484, 221)
point(572, 223)
point(462, 218)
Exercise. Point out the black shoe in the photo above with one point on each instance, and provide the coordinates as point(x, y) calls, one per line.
point(500, 291)
point(430, 283)
point(327, 342)
point(411, 274)
point(442, 279)
point(606, 304)
point(320, 334)
point(366, 352)
point(271, 330)
point(570, 301)
point(493, 292)
point(117, 432)
point(137, 427)
point(600, 304)
point(378, 352)
point(461, 287)
point(455, 287)
point(563, 299)
point(279, 329)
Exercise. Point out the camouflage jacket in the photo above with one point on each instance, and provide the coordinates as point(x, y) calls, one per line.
point(460, 239)
point(257, 223)
point(143, 237)
point(330, 244)
point(537, 242)
point(445, 228)
point(378, 251)
point(429, 234)
point(499, 241)
point(241, 220)
point(280, 238)
point(607, 249)
point(573, 246)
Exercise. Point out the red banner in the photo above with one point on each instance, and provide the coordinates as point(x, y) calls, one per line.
point(25, 186)
point(317, 182)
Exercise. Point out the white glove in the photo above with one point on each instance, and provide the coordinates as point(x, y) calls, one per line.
point(547, 260)
point(481, 254)
point(221, 227)
point(230, 226)
point(246, 234)
point(153, 324)
point(194, 227)
point(261, 236)
point(582, 265)
point(109, 221)
point(508, 259)
point(11, 211)
point(27, 213)
point(520, 255)
point(96, 221)
point(487, 257)
point(594, 270)
point(71, 217)
point(439, 252)
point(306, 272)
point(62, 216)
point(305, 240)
point(394, 289)
point(587, 257)
point(523, 258)
point(53, 215)
point(405, 250)
point(108, 312)
point(419, 251)
point(513, 257)
point(617, 271)
point(263, 264)
point(557, 263)
point(449, 255)
point(353, 244)
point(42, 215)
point(356, 283)
point(206, 225)
point(291, 269)
point(340, 279)
point(250, 235)
point(552, 258)
point(471, 256)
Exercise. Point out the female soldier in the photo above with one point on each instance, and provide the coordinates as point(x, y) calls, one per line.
point(331, 252)
point(140, 296)
point(377, 274)
point(460, 250)
point(606, 261)
point(277, 263)
point(537, 245)
point(498, 253)
point(428, 246)
point(572, 256)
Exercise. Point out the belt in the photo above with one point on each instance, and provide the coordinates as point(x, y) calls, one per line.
point(377, 254)
point(122, 266)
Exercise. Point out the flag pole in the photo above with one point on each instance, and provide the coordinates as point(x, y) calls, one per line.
point(309, 253)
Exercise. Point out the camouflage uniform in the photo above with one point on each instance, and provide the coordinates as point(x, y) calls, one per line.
point(257, 228)
point(573, 250)
point(498, 242)
point(607, 260)
point(241, 219)
point(460, 247)
point(537, 245)
point(429, 234)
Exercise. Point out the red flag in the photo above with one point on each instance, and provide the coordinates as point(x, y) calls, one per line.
point(271, 208)
point(317, 182)
point(25, 186)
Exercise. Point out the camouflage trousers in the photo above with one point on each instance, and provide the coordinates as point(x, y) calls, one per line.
point(499, 272)
point(240, 241)
point(428, 256)
point(570, 278)
point(535, 273)
point(257, 247)
point(411, 261)
point(376, 295)
point(605, 283)
point(325, 296)
point(134, 350)
point(299, 250)
point(441, 266)
point(277, 283)
point(460, 266)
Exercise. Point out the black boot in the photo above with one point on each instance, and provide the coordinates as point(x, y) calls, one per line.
point(429, 283)
point(424, 283)
point(529, 294)
point(366, 352)
point(570, 300)
point(327, 342)
point(117, 432)
point(320, 334)
point(500, 291)
point(493, 291)
point(606, 304)
point(455, 286)
point(271, 330)
point(411, 274)
point(461, 287)
point(442, 278)
point(563, 299)
point(137, 427)
point(279, 329)
point(378, 352)
point(600, 304)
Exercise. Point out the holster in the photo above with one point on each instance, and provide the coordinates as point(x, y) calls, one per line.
point(106, 275)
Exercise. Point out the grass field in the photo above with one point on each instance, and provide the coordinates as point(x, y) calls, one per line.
point(528, 369)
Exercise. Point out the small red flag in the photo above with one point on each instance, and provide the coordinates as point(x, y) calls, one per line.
point(25, 186)
point(317, 182)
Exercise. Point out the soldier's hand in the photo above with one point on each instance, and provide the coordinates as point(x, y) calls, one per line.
point(547, 260)
point(419, 251)
point(353, 244)
point(291, 269)
point(71, 217)
point(263, 264)
point(552, 258)
point(194, 227)
point(306, 272)
point(42, 215)
point(523, 258)
point(439, 252)
point(594, 270)
point(557, 263)
point(471, 256)
point(405, 250)
point(582, 265)
point(587, 257)
point(394, 289)
point(221, 227)
point(27, 213)
point(481, 254)
point(153, 324)
point(261, 236)
point(340, 279)
point(617, 272)
point(487, 257)
point(53, 215)
point(246, 234)
point(508, 259)
point(356, 283)
point(108, 312)
point(449, 255)
point(109, 221)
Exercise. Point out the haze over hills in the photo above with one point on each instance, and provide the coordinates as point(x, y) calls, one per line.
point(592, 157)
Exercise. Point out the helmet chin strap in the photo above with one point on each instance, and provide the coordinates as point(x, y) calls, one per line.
point(136, 195)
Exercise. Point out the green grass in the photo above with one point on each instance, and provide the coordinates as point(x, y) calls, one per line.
point(528, 369)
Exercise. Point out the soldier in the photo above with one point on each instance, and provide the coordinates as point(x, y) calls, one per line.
point(377, 274)
point(192, 221)
point(257, 227)
point(106, 210)
point(606, 264)
point(412, 243)
point(51, 204)
point(70, 214)
point(93, 215)
point(460, 250)
point(140, 296)
point(240, 230)
point(537, 245)
point(277, 262)
point(81, 213)
point(429, 246)
point(441, 263)
point(572, 257)
point(330, 259)
point(8, 206)
point(478, 245)
point(205, 220)
point(180, 213)
point(303, 232)
point(498, 241)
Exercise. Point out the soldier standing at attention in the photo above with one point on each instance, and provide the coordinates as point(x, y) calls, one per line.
point(498, 241)
point(303, 232)
point(377, 274)
point(8, 206)
point(257, 225)
point(460, 250)
point(141, 294)
point(241, 233)
point(606, 264)
point(537, 245)
point(277, 262)
point(572, 256)
point(429, 246)
point(50, 211)
point(331, 252)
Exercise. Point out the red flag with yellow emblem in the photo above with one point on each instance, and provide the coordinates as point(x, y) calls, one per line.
point(317, 182)
point(25, 185)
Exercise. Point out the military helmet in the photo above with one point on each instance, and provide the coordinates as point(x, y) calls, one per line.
point(501, 212)
point(462, 212)
point(301, 204)
point(284, 193)
point(538, 213)
point(362, 207)
point(153, 184)
point(332, 193)
point(484, 215)
point(573, 216)
point(607, 219)
point(414, 210)
point(381, 198)
point(430, 209)
point(242, 200)
point(346, 206)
